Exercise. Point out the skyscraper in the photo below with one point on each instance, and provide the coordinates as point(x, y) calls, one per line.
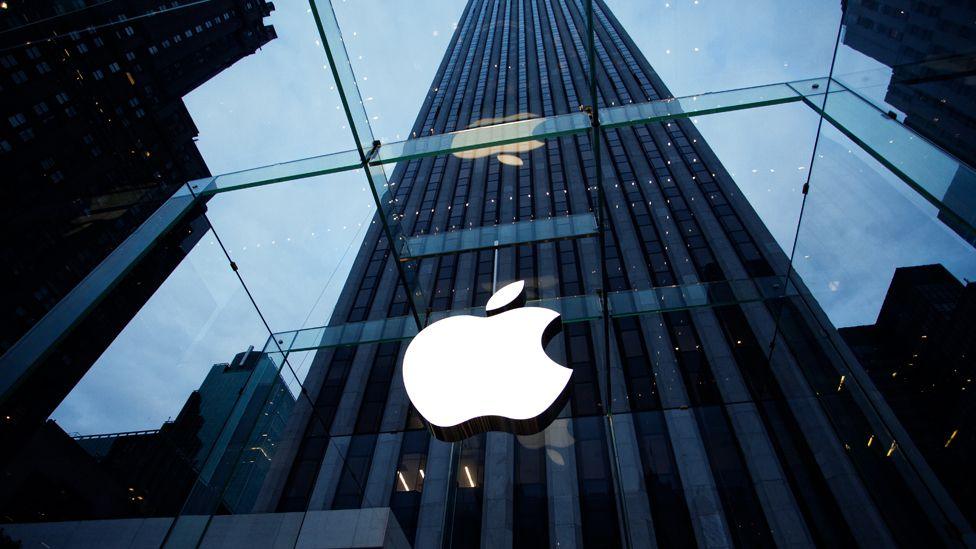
point(742, 424)
point(96, 138)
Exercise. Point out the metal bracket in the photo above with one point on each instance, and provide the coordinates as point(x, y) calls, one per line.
point(373, 151)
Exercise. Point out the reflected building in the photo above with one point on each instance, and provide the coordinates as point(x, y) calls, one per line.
point(221, 438)
point(237, 438)
point(728, 427)
point(919, 354)
point(95, 137)
point(931, 49)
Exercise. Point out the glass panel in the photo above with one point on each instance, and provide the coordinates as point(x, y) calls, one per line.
point(572, 309)
point(709, 401)
point(345, 80)
point(914, 64)
point(707, 103)
point(522, 232)
point(692, 50)
point(516, 137)
point(706, 294)
point(948, 183)
point(523, 136)
point(274, 106)
point(295, 243)
point(306, 167)
point(135, 428)
point(37, 343)
point(889, 271)
point(96, 136)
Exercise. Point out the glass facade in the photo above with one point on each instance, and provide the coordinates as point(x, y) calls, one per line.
point(757, 224)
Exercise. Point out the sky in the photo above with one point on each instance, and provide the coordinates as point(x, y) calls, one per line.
point(294, 241)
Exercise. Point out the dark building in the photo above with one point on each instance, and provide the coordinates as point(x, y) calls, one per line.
point(919, 354)
point(236, 437)
point(95, 138)
point(727, 429)
point(216, 453)
point(931, 48)
point(54, 477)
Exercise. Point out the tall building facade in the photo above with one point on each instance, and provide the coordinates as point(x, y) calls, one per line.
point(731, 425)
point(95, 137)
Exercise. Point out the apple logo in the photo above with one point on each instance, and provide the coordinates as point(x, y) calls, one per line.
point(468, 374)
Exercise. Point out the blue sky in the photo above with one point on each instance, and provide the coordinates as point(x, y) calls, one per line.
point(294, 241)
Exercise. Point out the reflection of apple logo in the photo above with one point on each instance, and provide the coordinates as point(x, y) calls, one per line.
point(468, 374)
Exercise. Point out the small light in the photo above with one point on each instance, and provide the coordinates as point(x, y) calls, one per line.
point(891, 449)
point(468, 472)
point(952, 437)
point(403, 481)
point(841, 384)
point(870, 441)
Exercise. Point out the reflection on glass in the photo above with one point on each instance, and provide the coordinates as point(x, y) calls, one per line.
point(508, 234)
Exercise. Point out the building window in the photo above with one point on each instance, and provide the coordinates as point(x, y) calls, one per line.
point(98, 74)
point(5, 145)
point(409, 484)
point(177, 38)
point(81, 47)
point(153, 50)
point(26, 135)
point(40, 108)
point(140, 113)
point(208, 24)
point(61, 97)
point(130, 56)
point(33, 52)
point(17, 119)
point(43, 67)
point(188, 33)
point(98, 42)
point(349, 492)
point(134, 102)
point(71, 112)
point(47, 163)
point(129, 31)
point(57, 176)
point(114, 67)
point(8, 61)
point(199, 28)
point(19, 77)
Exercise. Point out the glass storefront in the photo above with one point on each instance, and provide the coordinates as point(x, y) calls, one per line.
point(226, 222)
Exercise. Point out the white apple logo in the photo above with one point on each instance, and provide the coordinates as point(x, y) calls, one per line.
point(468, 374)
